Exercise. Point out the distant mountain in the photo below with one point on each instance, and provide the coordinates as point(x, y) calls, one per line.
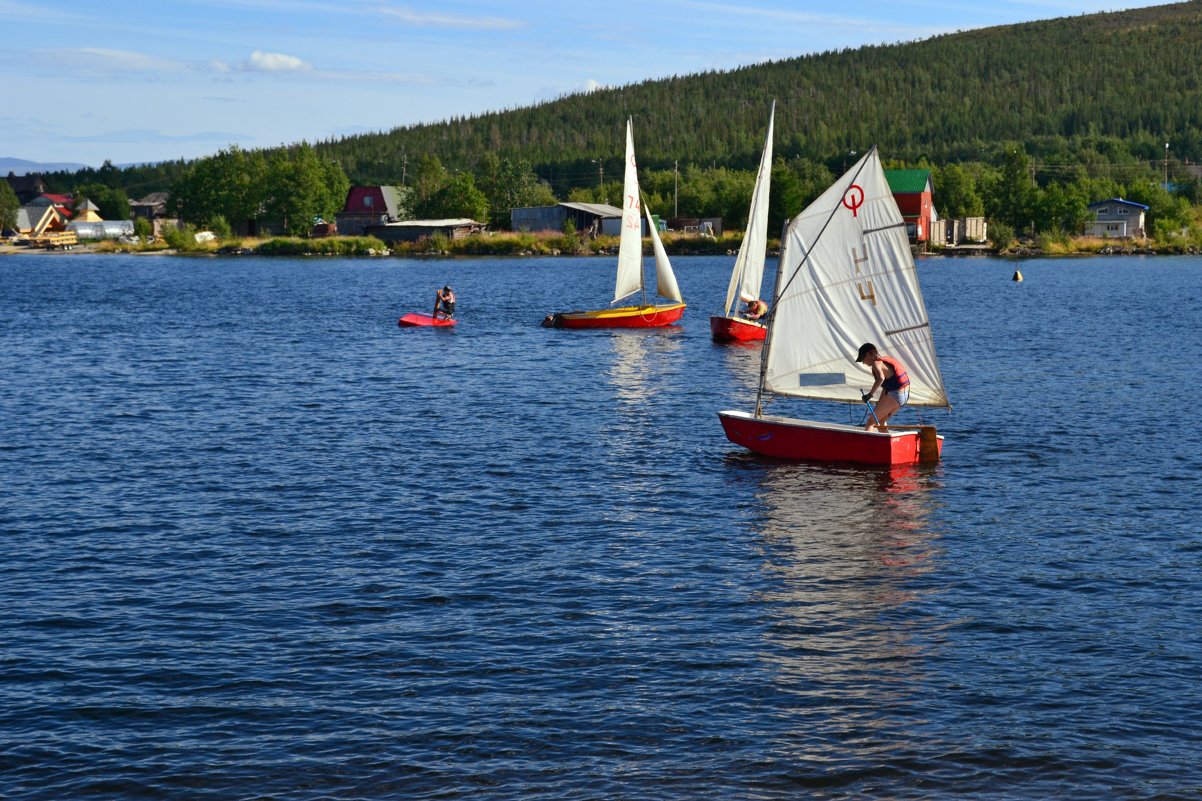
point(23, 167)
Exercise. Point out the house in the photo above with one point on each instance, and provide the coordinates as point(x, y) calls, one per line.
point(35, 220)
point(151, 207)
point(912, 190)
point(27, 187)
point(587, 217)
point(413, 230)
point(1117, 219)
point(367, 207)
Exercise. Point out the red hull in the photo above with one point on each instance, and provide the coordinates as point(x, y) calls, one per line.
point(413, 320)
point(625, 317)
point(736, 329)
point(789, 438)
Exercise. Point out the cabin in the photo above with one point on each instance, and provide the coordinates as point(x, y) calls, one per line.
point(1115, 218)
point(912, 189)
point(27, 187)
point(35, 220)
point(413, 230)
point(588, 218)
point(368, 207)
point(152, 207)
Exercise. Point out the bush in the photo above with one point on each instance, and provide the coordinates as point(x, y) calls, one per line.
point(1001, 234)
point(325, 246)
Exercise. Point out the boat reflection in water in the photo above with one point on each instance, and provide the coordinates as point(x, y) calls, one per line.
point(643, 365)
point(846, 557)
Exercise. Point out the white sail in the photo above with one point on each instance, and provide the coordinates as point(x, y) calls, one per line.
point(846, 278)
point(630, 244)
point(748, 272)
point(665, 279)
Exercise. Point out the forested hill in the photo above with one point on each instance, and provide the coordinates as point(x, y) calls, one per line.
point(1133, 76)
point(1110, 87)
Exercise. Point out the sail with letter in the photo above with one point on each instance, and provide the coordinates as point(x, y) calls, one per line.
point(847, 277)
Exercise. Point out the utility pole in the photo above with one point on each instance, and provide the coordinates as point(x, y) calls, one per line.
point(1166, 166)
point(600, 173)
point(404, 167)
point(676, 189)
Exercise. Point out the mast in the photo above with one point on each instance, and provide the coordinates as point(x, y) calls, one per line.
point(766, 349)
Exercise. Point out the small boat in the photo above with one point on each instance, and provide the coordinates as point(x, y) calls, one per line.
point(415, 319)
point(846, 277)
point(630, 269)
point(748, 272)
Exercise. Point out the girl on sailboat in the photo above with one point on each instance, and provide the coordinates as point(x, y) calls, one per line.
point(890, 377)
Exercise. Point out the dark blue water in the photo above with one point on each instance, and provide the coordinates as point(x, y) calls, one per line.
point(259, 543)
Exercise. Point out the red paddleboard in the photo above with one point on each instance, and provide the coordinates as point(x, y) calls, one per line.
point(413, 319)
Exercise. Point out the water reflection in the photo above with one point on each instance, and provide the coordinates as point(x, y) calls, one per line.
point(846, 551)
point(742, 361)
point(636, 372)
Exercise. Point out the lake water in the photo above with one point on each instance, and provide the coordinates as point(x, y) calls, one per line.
point(260, 543)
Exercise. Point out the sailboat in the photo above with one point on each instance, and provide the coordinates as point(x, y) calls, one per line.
point(846, 277)
point(748, 272)
point(630, 268)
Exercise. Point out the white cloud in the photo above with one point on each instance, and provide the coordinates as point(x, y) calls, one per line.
point(274, 62)
point(258, 61)
point(451, 21)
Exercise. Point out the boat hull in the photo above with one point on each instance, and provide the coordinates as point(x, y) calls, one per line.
point(415, 320)
point(809, 440)
point(624, 317)
point(737, 329)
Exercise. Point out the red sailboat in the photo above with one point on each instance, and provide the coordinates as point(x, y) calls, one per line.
point(748, 272)
point(630, 269)
point(846, 277)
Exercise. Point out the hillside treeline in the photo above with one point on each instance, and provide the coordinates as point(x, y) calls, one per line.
point(1089, 102)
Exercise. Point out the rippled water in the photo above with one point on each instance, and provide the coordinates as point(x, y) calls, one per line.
point(260, 543)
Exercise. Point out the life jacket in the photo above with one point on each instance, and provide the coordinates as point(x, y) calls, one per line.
point(899, 379)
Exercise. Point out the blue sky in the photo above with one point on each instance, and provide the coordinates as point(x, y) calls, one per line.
point(134, 81)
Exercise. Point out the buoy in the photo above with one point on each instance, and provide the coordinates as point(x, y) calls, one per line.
point(1018, 276)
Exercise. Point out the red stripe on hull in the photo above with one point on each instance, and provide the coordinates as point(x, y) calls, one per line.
point(627, 317)
point(789, 438)
point(734, 329)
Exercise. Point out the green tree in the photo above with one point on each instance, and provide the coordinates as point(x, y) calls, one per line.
point(1010, 196)
point(509, 184)
point(111, 204)
point(231, 184)
point(301, 188)
point(8, 207)
point(457, 198)
point(956, 193)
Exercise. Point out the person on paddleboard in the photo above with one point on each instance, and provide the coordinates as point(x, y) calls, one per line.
point(889, 375)
point(444, 301)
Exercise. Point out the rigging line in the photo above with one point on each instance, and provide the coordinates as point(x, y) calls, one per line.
point(911, 328)
point(817, 239)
